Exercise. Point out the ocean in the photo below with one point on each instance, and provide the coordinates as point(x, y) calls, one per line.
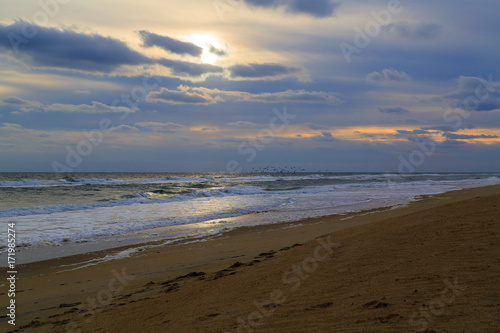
point(62, 214)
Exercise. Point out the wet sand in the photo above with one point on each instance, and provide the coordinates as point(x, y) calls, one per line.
point(433, 266)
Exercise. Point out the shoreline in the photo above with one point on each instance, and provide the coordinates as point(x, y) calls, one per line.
point(112, 245)
point(380, 213)
point(169, 262)
point(83, 257)
point(88, 227)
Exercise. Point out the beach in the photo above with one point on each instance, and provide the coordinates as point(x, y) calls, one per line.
point(431, 266)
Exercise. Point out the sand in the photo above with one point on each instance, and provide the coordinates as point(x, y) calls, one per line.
point(433, 266)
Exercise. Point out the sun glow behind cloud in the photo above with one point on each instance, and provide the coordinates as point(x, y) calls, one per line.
point(205, 40)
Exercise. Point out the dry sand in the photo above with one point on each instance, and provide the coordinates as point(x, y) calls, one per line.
point(431, 267)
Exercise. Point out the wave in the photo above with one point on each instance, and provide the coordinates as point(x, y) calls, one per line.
point(165, 196)
point(81, 222)
point(68, 181)
point(131, 199)
point(226, 178)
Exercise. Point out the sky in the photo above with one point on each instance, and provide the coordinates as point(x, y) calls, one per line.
point(237, 85)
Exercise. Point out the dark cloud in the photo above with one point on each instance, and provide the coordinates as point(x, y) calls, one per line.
point(418, 134)
point(261, 70)
point(420, 139)
point(201, 95)
point(170, 44)
point(324, 137)
point(413, 31)
point(415, 136)
point(316, 126)
point(242, 124)
point(327, 134)
point(95, 107)
point(264, 3)
point(369, 135)
point(414, 132)
point(476, 94)
point(16, 101)
point(393, 110)
point(189, 68)
point(67, 49)
point(448, 128)
point(294, 96)
point(182, 96)
point(51, 47)
point(22, 105)
point(454, 136)
point(316, 8)
point(451, 143)
point(218, 52)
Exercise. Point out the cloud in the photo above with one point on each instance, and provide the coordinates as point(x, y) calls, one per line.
point(316, 8)
point(67, 49)
point(324, 137)
point(415, 132)
point(170, 44)
point(291, 96)
point(453, 136)
point(124, 128)
point(218, 52)
point(388, 74)
point(393, 110)
point(416, 135)
point(184, 95)
point(413, 31)
point(242, 124)
point(476, 94)
point(188, 68)
point(21, 102)
point(96, 107)
point(162, 127)
point(451, 143)
point(253, 71)
point(71, 50)
point(200, 95)
point(449, 128)
point(316, 126)
point(11, 127)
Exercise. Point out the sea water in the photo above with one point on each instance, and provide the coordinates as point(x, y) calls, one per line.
point(61, 214)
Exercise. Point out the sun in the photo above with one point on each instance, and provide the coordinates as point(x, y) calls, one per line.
point(208, 57)
point(206, 42)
